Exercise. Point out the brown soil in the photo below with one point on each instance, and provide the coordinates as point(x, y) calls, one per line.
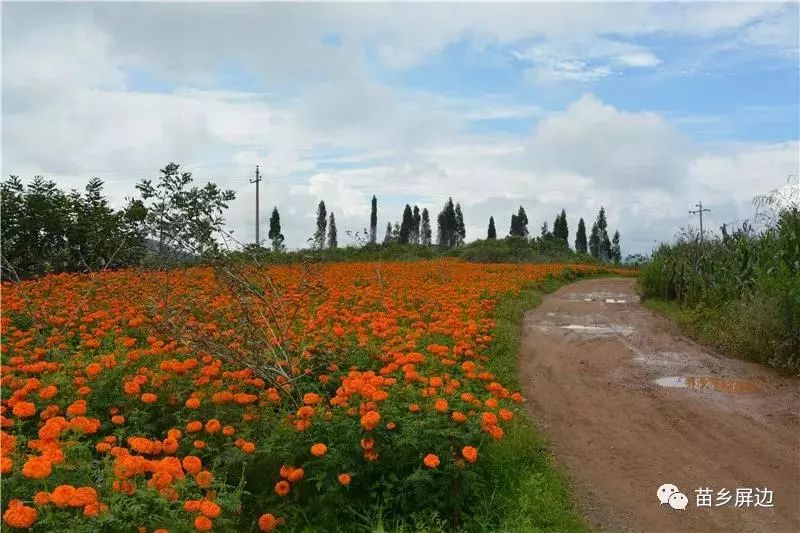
point(589, 371)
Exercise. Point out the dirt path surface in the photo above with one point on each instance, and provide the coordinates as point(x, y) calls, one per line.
point(589, 369)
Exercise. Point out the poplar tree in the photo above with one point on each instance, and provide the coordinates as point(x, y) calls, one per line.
point(425, 228)
point(275, 234)
point(332, 237)
point(580, 238)
point(322, 222)
point(373, 221)
point(406, 226)
point(491, 234)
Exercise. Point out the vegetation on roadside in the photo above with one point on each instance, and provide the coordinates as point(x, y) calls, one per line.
point(738, 291)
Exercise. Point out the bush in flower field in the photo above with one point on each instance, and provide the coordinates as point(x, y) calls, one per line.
point(139, 401)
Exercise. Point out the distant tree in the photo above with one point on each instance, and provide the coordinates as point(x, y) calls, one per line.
point(594, 241)
point(181, 217)
point(388, 237)
point(545, 232)
point(322, 222)
point(604, 250)
point(616, 252)
point(425, 228)
point(396, 232)
point(491, 234)
point(448, 226)
point(415, 228)
point(275, 235)
point(407, 225)
point(373, 221)
point(580, 238)
point(560, 229)
point(519, 224)
point(332, 237)
point(461, 230)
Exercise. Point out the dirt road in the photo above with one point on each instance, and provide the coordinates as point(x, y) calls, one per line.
point(591, 369)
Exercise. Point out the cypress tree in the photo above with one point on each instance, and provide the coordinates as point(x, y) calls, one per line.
point(594, 241)
point(580, 238)
point(491, 234)
point(560, 229)
point(322, 222)
point(604, 249)
point(519, 223)
point(332, 237)
point(417, 219)
point(449, 230)
point(616, 252)
point(388, 237)
point(407, 226)
point(373, 221)
point(425, 228)
point(275, 234)
point(461, 230)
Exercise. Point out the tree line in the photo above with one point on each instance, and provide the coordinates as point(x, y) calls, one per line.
point(45, 229)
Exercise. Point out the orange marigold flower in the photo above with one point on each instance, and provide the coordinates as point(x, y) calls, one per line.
point(506, 415)
point(194, 426)
point(204, 479)
point(118, 420)
point(62, 495)
point(37, 467)
point(149, 397)
point(441, 405)
point(296, 475)
point(228, 431)
point(41, 498)
point(93, 369)
point(48, 392)
point(203, 523)
point(268, 522)
point(77, 408)
point(6, 465)
point(24, 409)
point(193, 403)
point(413, 407)
point(470, 453)
point(282, 488)
point(370, 420)
point(319, 449)
point(431, 460)
point(192, 464)
point(344, 479)
point(19, 515)
point(390, 425)
point(210, 509)
point(248, 447)
point(213, 425)
point(458, 416)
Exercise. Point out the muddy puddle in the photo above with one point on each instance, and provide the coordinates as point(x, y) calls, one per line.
point(711, 383)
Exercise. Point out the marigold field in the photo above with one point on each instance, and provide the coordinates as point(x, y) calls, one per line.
point(140, 401)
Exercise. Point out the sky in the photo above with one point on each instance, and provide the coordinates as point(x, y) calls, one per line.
point(644, 108)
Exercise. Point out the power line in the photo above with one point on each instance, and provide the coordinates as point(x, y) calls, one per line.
point(699, 211)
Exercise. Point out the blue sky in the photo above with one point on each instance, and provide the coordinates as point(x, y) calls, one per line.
point(642, 108)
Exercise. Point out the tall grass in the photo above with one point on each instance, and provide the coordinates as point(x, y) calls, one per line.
point(738, 291)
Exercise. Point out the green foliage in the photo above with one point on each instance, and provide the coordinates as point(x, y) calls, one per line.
point(181, 218)
point(45, 230)
point(491, 233)
point(580, 238)
point(275, 235)
point(740, 292)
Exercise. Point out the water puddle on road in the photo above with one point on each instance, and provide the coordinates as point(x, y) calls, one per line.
point(710, 383)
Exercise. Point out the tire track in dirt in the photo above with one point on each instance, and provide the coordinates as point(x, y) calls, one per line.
point(588, 368)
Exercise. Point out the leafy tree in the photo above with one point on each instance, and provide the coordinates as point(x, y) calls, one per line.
point(425, 228)
point(580, 238)
point(373, 221)
point(406, 226)
point(396, 232)
point(275, 234)
point(322, 222)
point(332, 237)
point(491, 234)
point(183, 218)
point(616, 252)
point(519, 224)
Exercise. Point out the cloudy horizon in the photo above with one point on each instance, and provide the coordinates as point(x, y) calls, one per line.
point(645, 109)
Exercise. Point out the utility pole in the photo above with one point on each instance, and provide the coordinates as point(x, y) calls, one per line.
point(257, 181)
point(700, 211)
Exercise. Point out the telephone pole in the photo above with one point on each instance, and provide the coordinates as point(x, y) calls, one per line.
point(700, 211)
point(257, 180)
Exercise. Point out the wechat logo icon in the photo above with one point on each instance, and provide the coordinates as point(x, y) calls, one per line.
point(670, 495)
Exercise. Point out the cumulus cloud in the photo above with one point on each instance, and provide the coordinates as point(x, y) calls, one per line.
point(246, 84)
